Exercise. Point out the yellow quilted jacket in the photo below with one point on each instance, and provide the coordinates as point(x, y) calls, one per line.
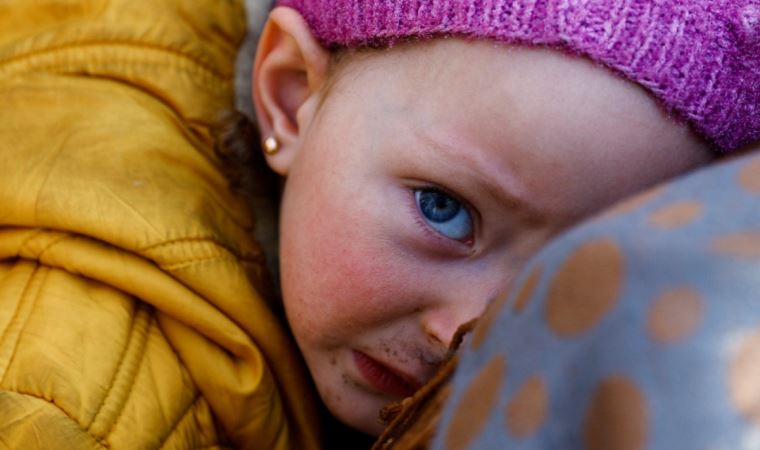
point(131, 314)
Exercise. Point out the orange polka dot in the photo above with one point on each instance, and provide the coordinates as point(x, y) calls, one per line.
point(676, 215)
point(526, 411)
point(744, 373)
point(617, 418)
point(585, 288)
point(526, 291)
point(674, 315)
point(476, 404)
point(489, 317)
point(743, 245)
point(749, 176)
point(486, 321)
point(634, 202)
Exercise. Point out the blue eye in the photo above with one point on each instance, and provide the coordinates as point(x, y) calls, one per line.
point(445, 214)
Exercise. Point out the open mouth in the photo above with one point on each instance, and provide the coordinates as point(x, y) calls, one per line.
point(383, 378)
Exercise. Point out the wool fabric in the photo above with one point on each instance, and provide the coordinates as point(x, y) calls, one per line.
point(699, 58)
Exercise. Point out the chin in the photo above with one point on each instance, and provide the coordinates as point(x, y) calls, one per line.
point(360, 412)
point(368, 425)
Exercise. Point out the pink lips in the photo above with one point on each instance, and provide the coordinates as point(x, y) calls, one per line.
point(383, 378)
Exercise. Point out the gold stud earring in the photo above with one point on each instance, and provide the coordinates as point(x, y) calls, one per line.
point(271, 145)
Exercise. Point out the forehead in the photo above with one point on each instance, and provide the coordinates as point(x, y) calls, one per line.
point(440, 78)
point(520, 111)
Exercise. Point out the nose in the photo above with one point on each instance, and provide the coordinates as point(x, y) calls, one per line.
point(458, 307)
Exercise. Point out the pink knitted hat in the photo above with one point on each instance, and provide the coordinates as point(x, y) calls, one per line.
point(700, 58)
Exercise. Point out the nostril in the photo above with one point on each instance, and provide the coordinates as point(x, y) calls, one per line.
point(452, 343)
point(442, 320)
point(434, 338)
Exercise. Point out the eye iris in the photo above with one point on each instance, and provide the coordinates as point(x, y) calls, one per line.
point(444, 214)
point(438, 207)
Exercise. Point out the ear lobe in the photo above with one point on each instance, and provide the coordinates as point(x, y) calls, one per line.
point(290, 69)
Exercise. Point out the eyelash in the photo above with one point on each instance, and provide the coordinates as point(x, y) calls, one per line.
point(428, 230)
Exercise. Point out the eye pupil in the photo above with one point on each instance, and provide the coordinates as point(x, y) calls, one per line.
point(437, 206)
point(444, 213)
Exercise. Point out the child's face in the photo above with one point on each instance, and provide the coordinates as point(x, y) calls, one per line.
point(424, 181)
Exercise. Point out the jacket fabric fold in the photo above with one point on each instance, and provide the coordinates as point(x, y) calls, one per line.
point(132, 294)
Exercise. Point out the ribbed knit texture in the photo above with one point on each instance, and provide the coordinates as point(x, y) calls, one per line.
point(700, 58)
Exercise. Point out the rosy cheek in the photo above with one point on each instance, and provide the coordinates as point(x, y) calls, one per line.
point(349, 279)
point(363, 279)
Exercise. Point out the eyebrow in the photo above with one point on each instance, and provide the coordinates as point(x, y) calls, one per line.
point(487, 178)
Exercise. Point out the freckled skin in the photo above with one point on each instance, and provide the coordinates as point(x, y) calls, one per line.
point(361, 271)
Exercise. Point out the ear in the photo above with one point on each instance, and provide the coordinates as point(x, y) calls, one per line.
point(290, 69)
